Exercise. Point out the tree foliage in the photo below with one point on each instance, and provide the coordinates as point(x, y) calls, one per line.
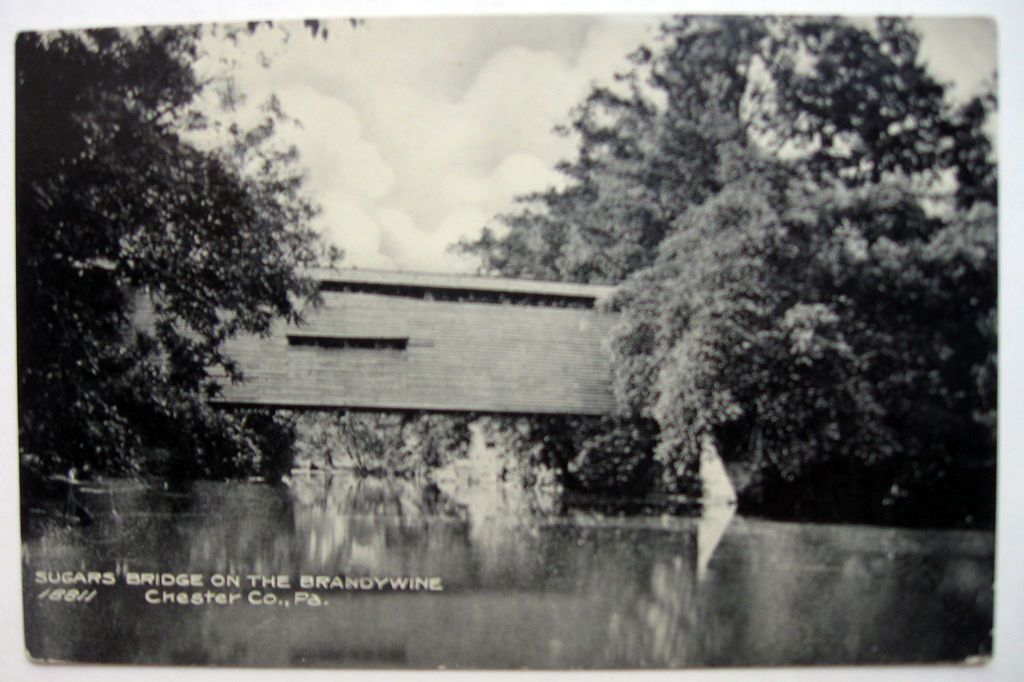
point(722, 99)
point(582, 454)
point(834, 332)
point(116, 202)
point(803, 227)
point(381, 442)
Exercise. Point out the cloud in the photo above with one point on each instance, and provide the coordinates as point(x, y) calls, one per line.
point(961, 50)
point(412, 248)
point(516, 174)
point(415, 132)
point(332, 147)
point(348, 224)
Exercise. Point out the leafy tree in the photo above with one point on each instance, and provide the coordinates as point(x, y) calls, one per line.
point(804, 230)
point(839, 345)
point(583, 454)
point(382, 442)
point(114, 202)
point(719, 99)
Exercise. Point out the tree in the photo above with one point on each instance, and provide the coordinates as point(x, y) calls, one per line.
point(838, 345)
point(803, 228)
point(382, 442)
point(586, 454)
point(719, 99)
point(114, 202)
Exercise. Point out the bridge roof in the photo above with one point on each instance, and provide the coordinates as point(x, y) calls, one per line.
point(363, 349)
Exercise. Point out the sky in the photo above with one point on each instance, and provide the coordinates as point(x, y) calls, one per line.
point(416, 132)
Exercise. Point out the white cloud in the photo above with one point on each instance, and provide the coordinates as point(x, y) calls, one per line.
point(412, 248)
point(517, 174)
point(494, 140)
point(416, 133)
point(960, 50)
point(346, 223)
point(332, 147)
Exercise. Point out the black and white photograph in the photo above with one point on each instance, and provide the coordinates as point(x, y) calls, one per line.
point(502, 342)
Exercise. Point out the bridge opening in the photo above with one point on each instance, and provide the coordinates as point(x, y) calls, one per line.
point(461, 295)
point(347, 342)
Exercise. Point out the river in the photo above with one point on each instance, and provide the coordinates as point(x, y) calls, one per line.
point(525, 582)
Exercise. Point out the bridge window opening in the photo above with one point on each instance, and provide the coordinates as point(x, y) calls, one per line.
point(461, 295)
point(348, 342)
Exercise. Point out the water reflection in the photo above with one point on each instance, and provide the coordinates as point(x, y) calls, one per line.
point(528, 582)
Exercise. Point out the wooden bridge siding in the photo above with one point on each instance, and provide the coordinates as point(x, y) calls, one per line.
point(460, 357)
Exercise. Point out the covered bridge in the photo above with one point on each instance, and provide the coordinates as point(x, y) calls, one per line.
point(387, 340)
